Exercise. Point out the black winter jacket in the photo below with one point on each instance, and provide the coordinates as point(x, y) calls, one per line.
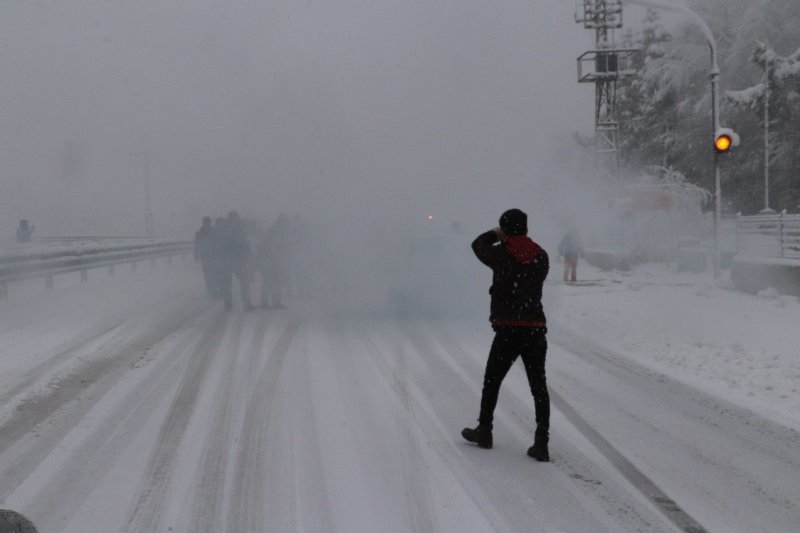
point(204, 243)
point(519, 268)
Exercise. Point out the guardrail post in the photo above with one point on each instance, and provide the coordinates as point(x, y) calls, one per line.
point(3, 291)
point(48, 282)
point(738, 233)
point(780, 235)
point(84, 275)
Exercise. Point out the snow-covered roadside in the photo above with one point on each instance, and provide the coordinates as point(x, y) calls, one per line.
point(741, 347)
point(45, 335)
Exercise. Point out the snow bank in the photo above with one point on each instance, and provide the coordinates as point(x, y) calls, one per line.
point(739, 346)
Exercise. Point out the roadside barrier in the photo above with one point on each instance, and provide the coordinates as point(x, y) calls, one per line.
point(21, 264)
point(769, 236)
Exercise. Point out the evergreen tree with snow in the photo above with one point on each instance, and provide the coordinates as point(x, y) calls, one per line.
point(782, 85)
point(665, 107)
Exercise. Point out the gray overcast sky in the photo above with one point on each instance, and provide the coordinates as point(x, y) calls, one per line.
point(313, 106)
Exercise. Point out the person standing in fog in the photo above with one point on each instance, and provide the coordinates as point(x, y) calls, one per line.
point(273, 263)
point(300, 262)
point(519, 268)
point(570, 248)
point(203, 251)
point(235, 261)
point(218, 265)
point(25, 231)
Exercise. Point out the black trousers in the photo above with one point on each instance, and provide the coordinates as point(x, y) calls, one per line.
point(510, 343)
point(226, 285)
point(211, 277)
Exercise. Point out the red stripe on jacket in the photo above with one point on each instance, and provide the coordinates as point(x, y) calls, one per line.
point(518, 323)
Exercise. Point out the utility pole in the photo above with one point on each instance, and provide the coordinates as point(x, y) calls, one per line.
point(148, 204)
point(601, 67)
point(767, 210)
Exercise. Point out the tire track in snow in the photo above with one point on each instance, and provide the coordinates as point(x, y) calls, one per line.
point(624, 367)
point(66, 491)
point(770, 445)
point(310, 473)
point(146, 513)
point(248, 499)
point(413, 468)
point(52, 416)
point(442, 444)
point(636, 477)
point(116, 329)
point(70, 350)
point(467, 392)
point(638, 480)
point(208, 506)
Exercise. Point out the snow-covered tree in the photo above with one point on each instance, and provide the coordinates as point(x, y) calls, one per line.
point(782, 84)
point(665, 109)
point(645, 137)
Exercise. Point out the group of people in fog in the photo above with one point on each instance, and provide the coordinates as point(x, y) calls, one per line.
point(231, 248)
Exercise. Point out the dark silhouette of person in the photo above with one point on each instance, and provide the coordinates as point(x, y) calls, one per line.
point(274, 258)
point(519, 268)
point(234, 261)
point(25, 231)
point(203, 253)
point(571, 247)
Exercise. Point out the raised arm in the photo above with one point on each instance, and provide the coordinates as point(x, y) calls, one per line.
point(485, 249)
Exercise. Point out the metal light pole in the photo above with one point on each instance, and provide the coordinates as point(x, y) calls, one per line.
point(149, 226)
point(767, 210)
point(149, 223)
point(714, 75)
point(717, 189)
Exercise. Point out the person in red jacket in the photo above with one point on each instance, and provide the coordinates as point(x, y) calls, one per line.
point(570, 248)
point(519, 267)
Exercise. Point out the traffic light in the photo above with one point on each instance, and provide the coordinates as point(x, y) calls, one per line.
point(724, 140)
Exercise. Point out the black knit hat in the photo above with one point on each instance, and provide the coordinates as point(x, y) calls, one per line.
point(514, 222)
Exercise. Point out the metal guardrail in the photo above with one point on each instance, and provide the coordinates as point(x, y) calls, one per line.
point(47, 264)
point(769, 236)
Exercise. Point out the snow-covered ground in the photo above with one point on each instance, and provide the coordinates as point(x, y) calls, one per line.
point(742, 347)
point(133, 403)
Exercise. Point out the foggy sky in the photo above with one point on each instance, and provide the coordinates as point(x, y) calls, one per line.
point(347, 108)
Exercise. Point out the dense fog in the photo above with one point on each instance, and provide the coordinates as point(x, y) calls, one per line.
point(398, 130)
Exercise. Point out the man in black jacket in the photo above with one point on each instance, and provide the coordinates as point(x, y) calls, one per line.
point(236, 261)
point(519, 268)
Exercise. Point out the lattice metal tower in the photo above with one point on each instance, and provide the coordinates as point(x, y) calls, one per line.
point(601, 67)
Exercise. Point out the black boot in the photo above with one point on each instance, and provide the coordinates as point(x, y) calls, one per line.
point(479, 435)
point(539, 449)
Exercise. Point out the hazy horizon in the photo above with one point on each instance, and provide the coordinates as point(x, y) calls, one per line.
point(347, 110)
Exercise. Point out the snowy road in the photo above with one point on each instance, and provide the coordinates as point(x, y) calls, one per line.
point(134, 404)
